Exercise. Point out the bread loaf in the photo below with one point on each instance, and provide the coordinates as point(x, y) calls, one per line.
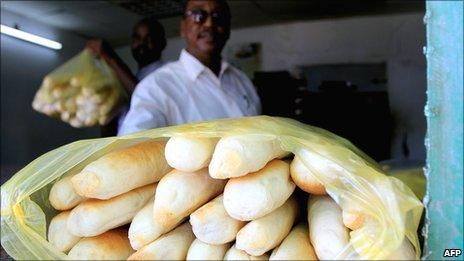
point(111, 245)
point(265, 233)
point(319, 163)
point(171, 246)
point(236, 254)
point(328, 234)
point(237, 156)
point(94, 216)
point(122, 170)
point(59, 235)
point(189, 154)
point(259, 193)
point(203, 251)
point(211, 223)
point(296, 246)
point(62, 195)
point(355, 220)
point(352, 220)
point(304, 178)
point(180, 193)
point(144, 229)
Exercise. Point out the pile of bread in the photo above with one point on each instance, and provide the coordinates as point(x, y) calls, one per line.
point(201, 199)
point(79, 102)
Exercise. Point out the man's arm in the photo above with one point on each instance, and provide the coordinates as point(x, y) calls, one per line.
point(124, 74)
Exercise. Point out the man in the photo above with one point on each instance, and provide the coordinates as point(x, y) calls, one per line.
point(200, 85)
point(148, 42)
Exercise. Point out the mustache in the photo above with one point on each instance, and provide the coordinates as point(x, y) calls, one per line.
point(207, 33)
point(141, 49)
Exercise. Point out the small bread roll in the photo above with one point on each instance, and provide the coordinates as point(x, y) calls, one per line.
point(111, 245)
point(352, 220)
point(259, 193)
point(239, 155)
point(122, 170)
point(320, 163)
point(144, 229)
point(65, 116)
point(328, 234)
point(62, 195)
point(76, 123)
point(203, 251)
point(211, 223)
point(296, 246)
point(76, 81)
point(236, 254)
point(94, 216)
point(265, 233)
point(304, 179)
point(180, 193)
point(189, 154)
point(171, 246)
point(48, 82)
point(59, 235)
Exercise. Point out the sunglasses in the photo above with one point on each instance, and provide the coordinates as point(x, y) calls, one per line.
point(200, 16)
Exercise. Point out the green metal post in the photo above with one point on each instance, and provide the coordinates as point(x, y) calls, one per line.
point(444, 141)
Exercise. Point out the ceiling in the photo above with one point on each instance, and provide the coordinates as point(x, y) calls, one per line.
point(113, 19)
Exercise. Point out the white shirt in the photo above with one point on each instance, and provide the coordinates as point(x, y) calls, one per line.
point(187, 91)
point(142, 73)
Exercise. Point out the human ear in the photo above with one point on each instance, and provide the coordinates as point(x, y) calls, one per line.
point(182, 28)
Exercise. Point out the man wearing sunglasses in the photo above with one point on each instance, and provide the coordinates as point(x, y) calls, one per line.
point(200, 85)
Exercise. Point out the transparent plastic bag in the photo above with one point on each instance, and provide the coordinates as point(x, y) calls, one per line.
point(410, 172)
point(83, 92)
point(355, 182)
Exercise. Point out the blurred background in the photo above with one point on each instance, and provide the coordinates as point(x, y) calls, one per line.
point(355, 68)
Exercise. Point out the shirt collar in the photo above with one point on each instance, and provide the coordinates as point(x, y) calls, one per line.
point(194, 67)
point(147, 69)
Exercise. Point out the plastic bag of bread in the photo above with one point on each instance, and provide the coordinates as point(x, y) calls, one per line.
point(83, 92)
point(387, 213)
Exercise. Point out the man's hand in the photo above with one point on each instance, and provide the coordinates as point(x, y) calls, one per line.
point(101, 48)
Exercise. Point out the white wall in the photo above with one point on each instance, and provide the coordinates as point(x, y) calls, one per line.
point(171, 53)
point(26, 134)
point(396, 39)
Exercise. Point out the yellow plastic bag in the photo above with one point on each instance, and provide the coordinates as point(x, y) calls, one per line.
point(84, 91)
point(358, 183)
point(410, 173)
